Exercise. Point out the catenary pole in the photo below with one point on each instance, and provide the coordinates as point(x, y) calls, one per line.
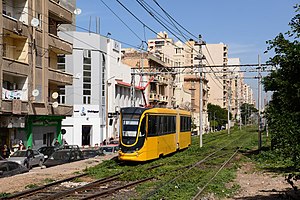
point(200, 91)
point(258, 103)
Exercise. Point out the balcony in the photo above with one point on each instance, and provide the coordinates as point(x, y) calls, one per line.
point(163, 98)
point(15, 26)
point(60, 77)
point(59, 13)
point(153, 96)
point(16, 9)
point(14, 106)
point(61, 110)
point(58, 45)
point(14, 87)
point(14, 67)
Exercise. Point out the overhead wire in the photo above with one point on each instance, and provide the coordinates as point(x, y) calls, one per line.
point(160, 22)
point(170, 17)
point(121, 20)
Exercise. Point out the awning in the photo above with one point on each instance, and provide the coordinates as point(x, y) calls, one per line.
point(128, 85)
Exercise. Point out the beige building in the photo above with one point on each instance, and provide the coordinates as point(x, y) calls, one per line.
point(216, 61)
point(182, 55)
point(155, 78)
point(29, 74)
point(235, 77)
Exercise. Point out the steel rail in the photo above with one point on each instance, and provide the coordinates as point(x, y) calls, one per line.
point(34, 190)
point(190, 167)
point(223, 165)
point(117, 188)
point(84, 187)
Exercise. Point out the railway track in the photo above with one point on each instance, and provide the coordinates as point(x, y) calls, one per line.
point(93, 190)
point(27, 194)
point(225, 153)
point(113, 186)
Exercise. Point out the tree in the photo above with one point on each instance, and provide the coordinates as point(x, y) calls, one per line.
point(283, 111)
point(217, 115)
point(246, 111)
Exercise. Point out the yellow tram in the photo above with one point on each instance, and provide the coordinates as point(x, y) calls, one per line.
point(149, 133)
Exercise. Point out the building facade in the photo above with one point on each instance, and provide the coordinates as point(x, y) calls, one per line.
point(29, 73)
point(101, 87)
point(155, 78)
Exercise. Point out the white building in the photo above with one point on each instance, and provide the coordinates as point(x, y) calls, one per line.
point(100, 88)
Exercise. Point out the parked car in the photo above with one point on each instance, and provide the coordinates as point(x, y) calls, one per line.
point(70, 147)
point(109, 149)
point(10, 168)
point(47, 151)
point(63, 156)
point(91, 153)
point(25, 158)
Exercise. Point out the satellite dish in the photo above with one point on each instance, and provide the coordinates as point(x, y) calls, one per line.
point(78, 76)
point(35, 92)
point(55, 104)
point(54, 95)
point(77, 11)
point(35, 22)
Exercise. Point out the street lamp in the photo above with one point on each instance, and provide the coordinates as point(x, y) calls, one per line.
point(106, 106)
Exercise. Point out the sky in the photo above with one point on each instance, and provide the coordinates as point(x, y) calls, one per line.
point(243, 25)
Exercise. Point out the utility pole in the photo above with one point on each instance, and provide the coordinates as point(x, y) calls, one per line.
point(258, 103)
point(200, 56)
point(106, 107)
point(229, 101)
point(132, 89)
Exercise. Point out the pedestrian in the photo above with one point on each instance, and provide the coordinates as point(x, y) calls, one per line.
point(29, 155)
point(104, 142)
point(21, 145)
point(56, 144)
point(5, 151)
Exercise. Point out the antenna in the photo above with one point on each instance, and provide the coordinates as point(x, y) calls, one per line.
point(35, 93)
point(35, 22)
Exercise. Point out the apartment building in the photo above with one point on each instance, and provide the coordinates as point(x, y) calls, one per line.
point(183, 55)
point(101, 87)
point(29, 74)
point(216, 60)
point(235, 91)
point(156, 78)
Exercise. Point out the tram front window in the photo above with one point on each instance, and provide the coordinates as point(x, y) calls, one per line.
point(130, 125)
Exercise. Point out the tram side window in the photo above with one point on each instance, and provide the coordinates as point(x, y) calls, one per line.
point(160, 120)
point(165, 124)
point(169, 119)
point(152, 125)
point(143, 128)
point(189, 124)
point(185, 124)
point(171, 124)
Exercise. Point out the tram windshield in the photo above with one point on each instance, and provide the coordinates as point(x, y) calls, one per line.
point(130, 123)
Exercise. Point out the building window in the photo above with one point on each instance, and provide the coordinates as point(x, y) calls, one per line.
point(61, 62)
point(103, 76)
point(87, 77)
point(178, 50)
point(62, 95)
